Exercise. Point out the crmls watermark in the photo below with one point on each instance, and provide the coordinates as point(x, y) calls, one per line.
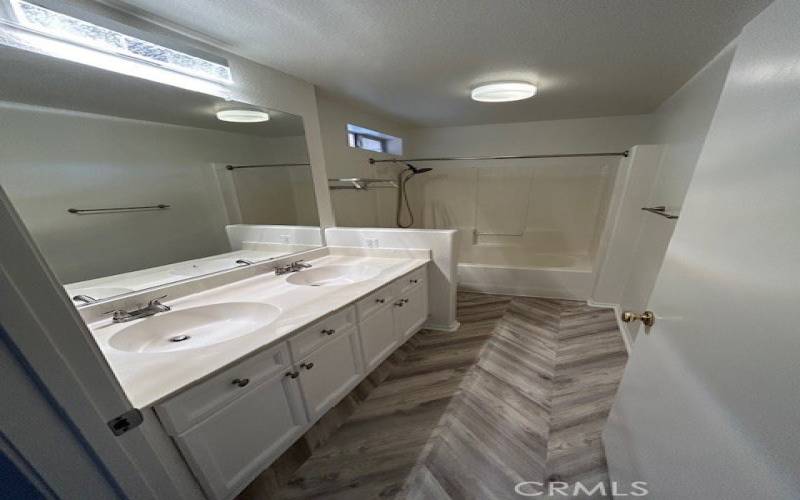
point(555, 488)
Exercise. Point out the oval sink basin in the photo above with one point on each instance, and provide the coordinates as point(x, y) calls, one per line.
point(333, 275)
point(194, 327)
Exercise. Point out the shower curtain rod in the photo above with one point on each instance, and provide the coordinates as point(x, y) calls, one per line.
point(511, 157)
point(235, 167)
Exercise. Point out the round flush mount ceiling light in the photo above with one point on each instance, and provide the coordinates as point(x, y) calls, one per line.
point(242, 115)
point(503, 91)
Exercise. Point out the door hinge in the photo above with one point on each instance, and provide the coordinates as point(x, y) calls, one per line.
point(125, 422)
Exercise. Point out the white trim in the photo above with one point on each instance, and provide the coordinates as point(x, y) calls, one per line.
point(623, 330)
point(452, 327)
point(523, 291)
point(49, 336)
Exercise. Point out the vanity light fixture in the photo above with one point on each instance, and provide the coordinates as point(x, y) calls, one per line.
point(242, 115)
point(503, 91)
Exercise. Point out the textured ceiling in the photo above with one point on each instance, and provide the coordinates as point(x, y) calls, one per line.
point(417, 59)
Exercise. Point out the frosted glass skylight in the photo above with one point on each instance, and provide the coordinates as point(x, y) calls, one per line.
point(64, 27)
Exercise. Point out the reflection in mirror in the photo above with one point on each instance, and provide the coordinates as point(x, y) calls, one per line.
point(127, 184)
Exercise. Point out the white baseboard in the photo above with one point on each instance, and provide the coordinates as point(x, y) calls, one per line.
point(623, 330)
point(545, 293)
point(452, 327)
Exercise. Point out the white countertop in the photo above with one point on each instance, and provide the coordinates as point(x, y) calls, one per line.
point(149, 377)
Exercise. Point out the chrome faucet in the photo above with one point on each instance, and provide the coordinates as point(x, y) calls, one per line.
point(152, 308)
point(293, 267)
point(84, 298)
point(246, 262)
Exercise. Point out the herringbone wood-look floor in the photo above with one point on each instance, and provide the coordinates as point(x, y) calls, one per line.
point(519, 393)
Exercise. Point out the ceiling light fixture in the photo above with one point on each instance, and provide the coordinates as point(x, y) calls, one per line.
point(503, 91)
point(242, 115)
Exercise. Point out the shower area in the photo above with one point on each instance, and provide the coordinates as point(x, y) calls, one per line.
point(528, 224)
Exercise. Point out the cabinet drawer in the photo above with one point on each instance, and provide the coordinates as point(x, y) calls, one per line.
point(374, 301)
point(196, 403)
point(415, 278)
point(314, 336)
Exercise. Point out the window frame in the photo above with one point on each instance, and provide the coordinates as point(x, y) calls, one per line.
point(355, 138)
point(387, 144)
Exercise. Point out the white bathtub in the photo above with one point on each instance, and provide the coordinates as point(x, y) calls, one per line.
point(516, 271)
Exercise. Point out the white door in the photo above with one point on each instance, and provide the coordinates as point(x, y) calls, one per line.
point(709, 406)
point(228, 449)
point(329, 373)
point(378, 336)
point(411, 310)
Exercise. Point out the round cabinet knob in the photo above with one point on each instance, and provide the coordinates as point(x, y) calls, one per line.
point(380, 301)
point(307, 366)
point(413, 281)
point(399, 303)
point(293, 374)
point(328, 331)
point(241, 382)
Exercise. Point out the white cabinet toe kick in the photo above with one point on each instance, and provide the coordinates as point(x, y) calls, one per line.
point(232, 426)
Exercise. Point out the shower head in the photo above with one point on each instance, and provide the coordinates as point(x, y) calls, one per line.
point(416, 170)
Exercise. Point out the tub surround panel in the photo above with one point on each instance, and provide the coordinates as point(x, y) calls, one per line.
point(571, 282)
point(618, 242)
point(147, 378)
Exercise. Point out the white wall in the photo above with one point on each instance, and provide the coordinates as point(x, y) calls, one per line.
point(373, 208)
point(640, 240)
point(54, 160)
point(558, 205)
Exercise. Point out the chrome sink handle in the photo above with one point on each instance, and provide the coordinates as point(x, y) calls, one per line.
point(292, 267)
point(156, 304)
point(153, 307)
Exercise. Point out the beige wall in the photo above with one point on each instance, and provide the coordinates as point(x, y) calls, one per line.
point(277, 195)
point(373, 208)
point(260, 85)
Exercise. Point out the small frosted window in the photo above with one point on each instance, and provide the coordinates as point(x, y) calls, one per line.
point(369, 143)
point(372, 140)
point(91, 35)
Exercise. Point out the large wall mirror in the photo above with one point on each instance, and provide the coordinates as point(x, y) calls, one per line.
point(127, 184)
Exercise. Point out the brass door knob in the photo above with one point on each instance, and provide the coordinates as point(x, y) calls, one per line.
point(647, 317)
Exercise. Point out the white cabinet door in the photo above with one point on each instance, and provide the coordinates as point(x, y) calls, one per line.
point(330, 372)
point(227, 450)
point(410, 311)
point(378, 336)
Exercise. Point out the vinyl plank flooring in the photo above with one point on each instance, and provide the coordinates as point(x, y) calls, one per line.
point(519, 393)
